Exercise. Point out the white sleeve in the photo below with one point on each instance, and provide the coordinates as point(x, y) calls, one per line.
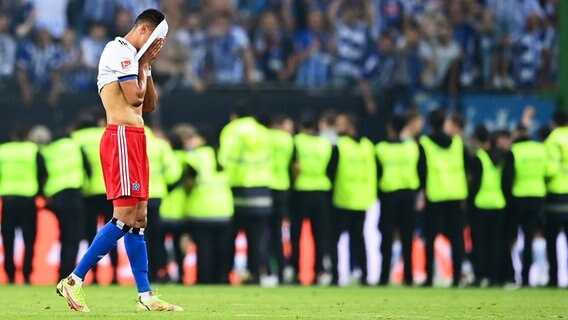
point(121, 61)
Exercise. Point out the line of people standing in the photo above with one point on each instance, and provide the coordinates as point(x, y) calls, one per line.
point(261, 176)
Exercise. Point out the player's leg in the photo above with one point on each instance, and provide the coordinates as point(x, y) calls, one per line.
point(138, 256)
point(106, 208)
point(124, 217)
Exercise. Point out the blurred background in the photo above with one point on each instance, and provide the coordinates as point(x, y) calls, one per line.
point(500, 63)
point(372, 57)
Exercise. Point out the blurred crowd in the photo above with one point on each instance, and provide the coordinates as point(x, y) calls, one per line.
point(265, 175)
point(385, 48)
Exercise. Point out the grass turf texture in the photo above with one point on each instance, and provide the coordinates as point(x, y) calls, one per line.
point(115, 302)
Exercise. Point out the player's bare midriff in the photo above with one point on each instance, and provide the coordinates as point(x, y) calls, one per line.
point(118, 111)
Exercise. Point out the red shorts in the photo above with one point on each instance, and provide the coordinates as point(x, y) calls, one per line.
point(125, 162)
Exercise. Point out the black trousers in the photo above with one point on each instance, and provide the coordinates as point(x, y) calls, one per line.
point(96, 206)
point(314, 206)
point(254, 227)
point(281, 210)
point(153, 236)
point(353, 222)
point(68, 206)
point(446, 217)
point(524, 213)
point(554, 224)
point(18, 212)
point(397, 213)
point(176, 228)
point(214, 259)
point(489, 249)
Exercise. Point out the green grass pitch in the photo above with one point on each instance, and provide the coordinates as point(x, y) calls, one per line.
point(18, 302)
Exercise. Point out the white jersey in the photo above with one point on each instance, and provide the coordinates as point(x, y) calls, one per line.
point(118, 63)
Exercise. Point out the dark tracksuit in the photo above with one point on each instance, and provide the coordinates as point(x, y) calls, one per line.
point(487, 226)
point(18, 211)
point(446, 217)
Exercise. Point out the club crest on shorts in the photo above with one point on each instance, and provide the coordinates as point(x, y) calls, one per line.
point(135, 186)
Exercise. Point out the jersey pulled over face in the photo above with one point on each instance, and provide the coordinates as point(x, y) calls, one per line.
point(118, 63)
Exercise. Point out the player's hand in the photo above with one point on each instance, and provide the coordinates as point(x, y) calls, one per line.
point(152, 52)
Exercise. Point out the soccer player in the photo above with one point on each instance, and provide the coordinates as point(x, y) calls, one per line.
point(127, 90)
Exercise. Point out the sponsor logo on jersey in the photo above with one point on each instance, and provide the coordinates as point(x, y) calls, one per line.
point(125, 64)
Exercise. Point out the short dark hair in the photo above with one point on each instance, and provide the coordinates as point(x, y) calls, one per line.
point(560, 117)
point(308, 120)
point(350, 117)
point(279, 119)
point(397, 123)
point(242, 109)
point(20, 130)
point(458, 119)
point(150, 17)
point(482, 134)
point(436, 119)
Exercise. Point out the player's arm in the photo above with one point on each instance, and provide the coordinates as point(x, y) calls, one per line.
point(151, 96)
point(134, 88)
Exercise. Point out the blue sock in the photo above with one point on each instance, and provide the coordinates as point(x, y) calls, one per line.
point(138, 256)
point(104, 241)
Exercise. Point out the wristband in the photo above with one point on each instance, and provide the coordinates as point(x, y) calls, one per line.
point(148, 72)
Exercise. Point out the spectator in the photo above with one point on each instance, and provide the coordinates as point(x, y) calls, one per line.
point(510, 22)
point(93, 45)
point(465, 36)
point(23, 17)
point(193, 37)
point(441, 58)
point(72, 77)
point(528, 50)
point(409, 68)
point(51, 16)
point(229, 59)
point(135, 7)
point(550, 53)
point(122, 23)
point(486, 43)
point(7, 51)
point(392, 16)
point(170, 64)
point(100, 12)
point(351, 38)
point(313, 53)
point(38, 64)
point(272, 49)
point(378, 74)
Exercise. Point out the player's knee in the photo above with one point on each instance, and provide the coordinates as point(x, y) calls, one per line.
point(140, 222)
